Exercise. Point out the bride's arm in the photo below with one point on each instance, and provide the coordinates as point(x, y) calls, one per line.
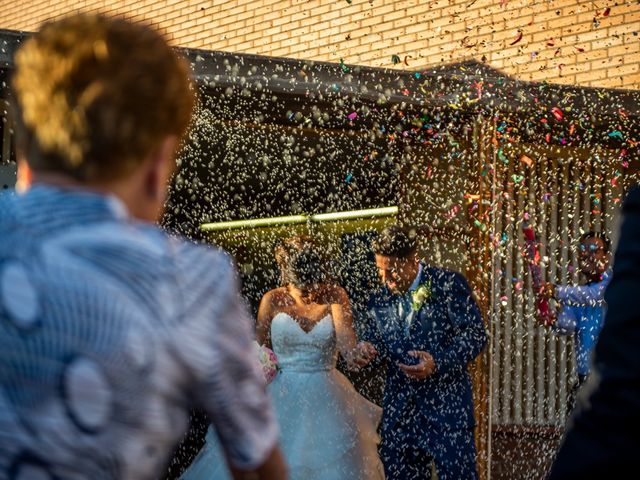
point(356, 355)
point(343, 321)
point(263, 324)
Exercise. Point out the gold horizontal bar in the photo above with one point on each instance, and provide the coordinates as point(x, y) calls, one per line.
point(296, 219)
point(368, 213)
point(258, 222)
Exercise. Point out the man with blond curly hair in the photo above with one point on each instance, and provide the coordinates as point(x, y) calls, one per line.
point(110, 331)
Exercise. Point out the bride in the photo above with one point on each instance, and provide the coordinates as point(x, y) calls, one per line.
point(328, 431)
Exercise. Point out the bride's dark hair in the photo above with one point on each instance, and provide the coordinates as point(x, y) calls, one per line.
point(300, 262)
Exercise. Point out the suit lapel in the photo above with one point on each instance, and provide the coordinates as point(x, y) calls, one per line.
point(391, 322)
point(388, 319)
point(427, 308)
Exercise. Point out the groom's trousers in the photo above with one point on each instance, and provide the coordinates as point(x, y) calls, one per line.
point(409, 449)
point(453, 453)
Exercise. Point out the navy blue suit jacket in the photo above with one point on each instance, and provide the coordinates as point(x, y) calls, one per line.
point(450, 327)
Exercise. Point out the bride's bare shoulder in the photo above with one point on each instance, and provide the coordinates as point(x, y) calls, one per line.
point(277, 297)
point(335, 294)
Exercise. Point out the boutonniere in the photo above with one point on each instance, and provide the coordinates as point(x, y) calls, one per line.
point(420, 295)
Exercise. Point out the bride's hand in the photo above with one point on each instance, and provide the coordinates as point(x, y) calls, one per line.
point(362, 355)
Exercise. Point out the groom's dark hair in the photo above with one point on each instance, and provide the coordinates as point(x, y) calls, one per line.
point(395, 241)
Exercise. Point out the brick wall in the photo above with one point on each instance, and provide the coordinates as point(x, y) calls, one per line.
point(561, 41)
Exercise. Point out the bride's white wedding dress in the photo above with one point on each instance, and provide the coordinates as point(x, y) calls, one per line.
point(328, 431)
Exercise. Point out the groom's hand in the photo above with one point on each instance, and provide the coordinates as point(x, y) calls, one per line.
point(423, 369)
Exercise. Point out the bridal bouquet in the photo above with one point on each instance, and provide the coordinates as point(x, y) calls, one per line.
point(269, 362)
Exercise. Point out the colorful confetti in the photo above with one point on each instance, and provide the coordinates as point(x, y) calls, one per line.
point(557, 113)
point(518, 38)
point(528, 161)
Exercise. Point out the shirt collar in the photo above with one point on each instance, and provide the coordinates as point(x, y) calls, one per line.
point(50, 207)
point(416, 281)
point(110, 202)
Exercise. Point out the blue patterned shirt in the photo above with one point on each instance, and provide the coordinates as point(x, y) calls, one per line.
point(582, 315)
point(110, 330)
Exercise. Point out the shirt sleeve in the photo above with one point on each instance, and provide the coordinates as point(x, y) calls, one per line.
point(566, 322)
point(229, 384)
point(583, 295)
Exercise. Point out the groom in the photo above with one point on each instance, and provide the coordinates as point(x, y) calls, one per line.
point(427, 327)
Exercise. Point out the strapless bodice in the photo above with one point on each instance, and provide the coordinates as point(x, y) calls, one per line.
point(300, 351)
point(328, 431)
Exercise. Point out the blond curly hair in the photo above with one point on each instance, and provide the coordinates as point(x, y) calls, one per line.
point(95, 95)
